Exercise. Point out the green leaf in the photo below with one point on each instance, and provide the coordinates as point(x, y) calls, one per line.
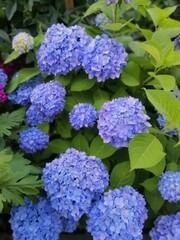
point(171, 26)
point(145, 151)
point(167, 105)
point(172, 166)
point(155, 200)
point(121, 175)
point(158, 169)
point(95, 7)
point(4, 36)
point(100, 149)
point(151, 184)
point(9, 121)
point(82, 84)
point(63, 126)
point(58, 146)
point(12, 57)
point(22, 76)
point(44, 127)
point(173, 152)
point(11, 8)
point(64, 80)
point(80, 143)
point(38, 39)
point(131, 75)
point(100, 97)
point(167, 82)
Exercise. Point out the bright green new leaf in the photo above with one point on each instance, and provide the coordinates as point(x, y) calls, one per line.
point(167, 82)
point(151, 184)
point(131, 75)
point(145, 151)
point(158, 169)
point(95, 7)
point(171, 26)
point(38, 39)
point(12, 57)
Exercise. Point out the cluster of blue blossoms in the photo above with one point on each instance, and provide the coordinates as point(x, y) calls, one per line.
point(177, 43)
point(83, 115)
point(169, 186)
point(100, 20)
point(22, 94)
point(120, 120)
point(116, 1)
point(47, 101)
point(32, 140)
point(119, 214)
point(38, 221)
point(3, 78)
point(73, 181)
point(166, 228)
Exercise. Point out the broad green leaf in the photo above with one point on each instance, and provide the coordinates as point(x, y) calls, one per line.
point(11, 8)
point(100, 97)
point(172, 166)
point(173, 152)
point(147, 33)
point(155, 200)
point(151, 184)
point(22, 76)
point(63, 126)
point(82, 84)
point(4, 36)
point(167, 82)
point(44, 127)
point(171, 26)
point(116, 26)
point(12, 57)
point(121, 175)
point(131, 75)
point(95, 7)
point(58, 146)
point(64, 80)
point(80, 142)
point(100, 149)
point(158, 169)
point(174, 60)
point(145, 151)
point(121, 92)
point(166, 104)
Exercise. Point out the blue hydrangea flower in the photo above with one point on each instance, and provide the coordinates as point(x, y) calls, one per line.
point(119, 214)
point(73, 181)
point(83, 115)
point(22, 42)
point(105, 58)
point(32, 140)
point(111, 1)
point(3, 78)
point(68, 225)
point(166, 228)
point(177, 43)
point(120, 120)
point(35, 221)
point(169, 186)
point(62, 49)
point(101, 19)
point(22, 94)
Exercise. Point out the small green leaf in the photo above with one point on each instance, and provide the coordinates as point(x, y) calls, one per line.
point(12, 57)
point(80, 142)
point(4, 36)
point(63, 126)
point(151, 184)
point(172, 166)
point(131, 75)
point(155, 200)
point(145, 151)
point(38, 39)
point(44, 127)
point(82, 84)
point(58, 146)
point(100, 97)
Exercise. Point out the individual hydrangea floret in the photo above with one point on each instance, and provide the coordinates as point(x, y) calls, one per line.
point(119, 214)
point(169, 186)
point(177, 43)
point(3, 78)
point(120, 120)
point(35, 221)
point(22, 42)
point(22, 94)
point(83, 115)
point(62, 49)
point(166, 227)
point(101, 19)
point(111, 1)
point(73, 181)
point(33, 140)
point(105, 58)
point(3, 96)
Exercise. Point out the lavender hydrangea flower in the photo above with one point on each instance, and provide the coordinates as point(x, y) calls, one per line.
point(111, 1)
point(169, 186)
point(166, 227)
point(32, 140)
point(101, 19)
point(3, 78)
point(105, 58)
point(177, 43)
point(120, 120)
point(62, 49)
point(22, 42)
point(119, 214)
point(73, 181)
point(35, 221)
point(83, 115)
point(22, 94)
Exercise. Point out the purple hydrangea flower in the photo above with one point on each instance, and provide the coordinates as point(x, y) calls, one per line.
point(3, 96)
point(111, 1)
point(22, 94)
point(166, 228)
point(169, 186)
point(83, 115)
point(73, 181)
point(119, 214)
point(105, 58)
point(177, 43)
point(120, 120)
point(3, 78)
point(62, 49)
point(100, 20)
point(35, 221)
point(32, 140)
point(22, 42)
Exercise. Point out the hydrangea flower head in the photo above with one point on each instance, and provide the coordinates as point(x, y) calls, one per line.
point(3, 96)
point(111, 1)
point(32, 140)
point(73, 181)
point(119, 214)
point(177, 43)
point(100, 20)
point(35, 221)
point(83, 115)
point(22, 94)
point(120, 120)
point(166, 227)
point(169, 186)
point(3, 78)
point(105, 58)
point(22, 42)
point(62, 49)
